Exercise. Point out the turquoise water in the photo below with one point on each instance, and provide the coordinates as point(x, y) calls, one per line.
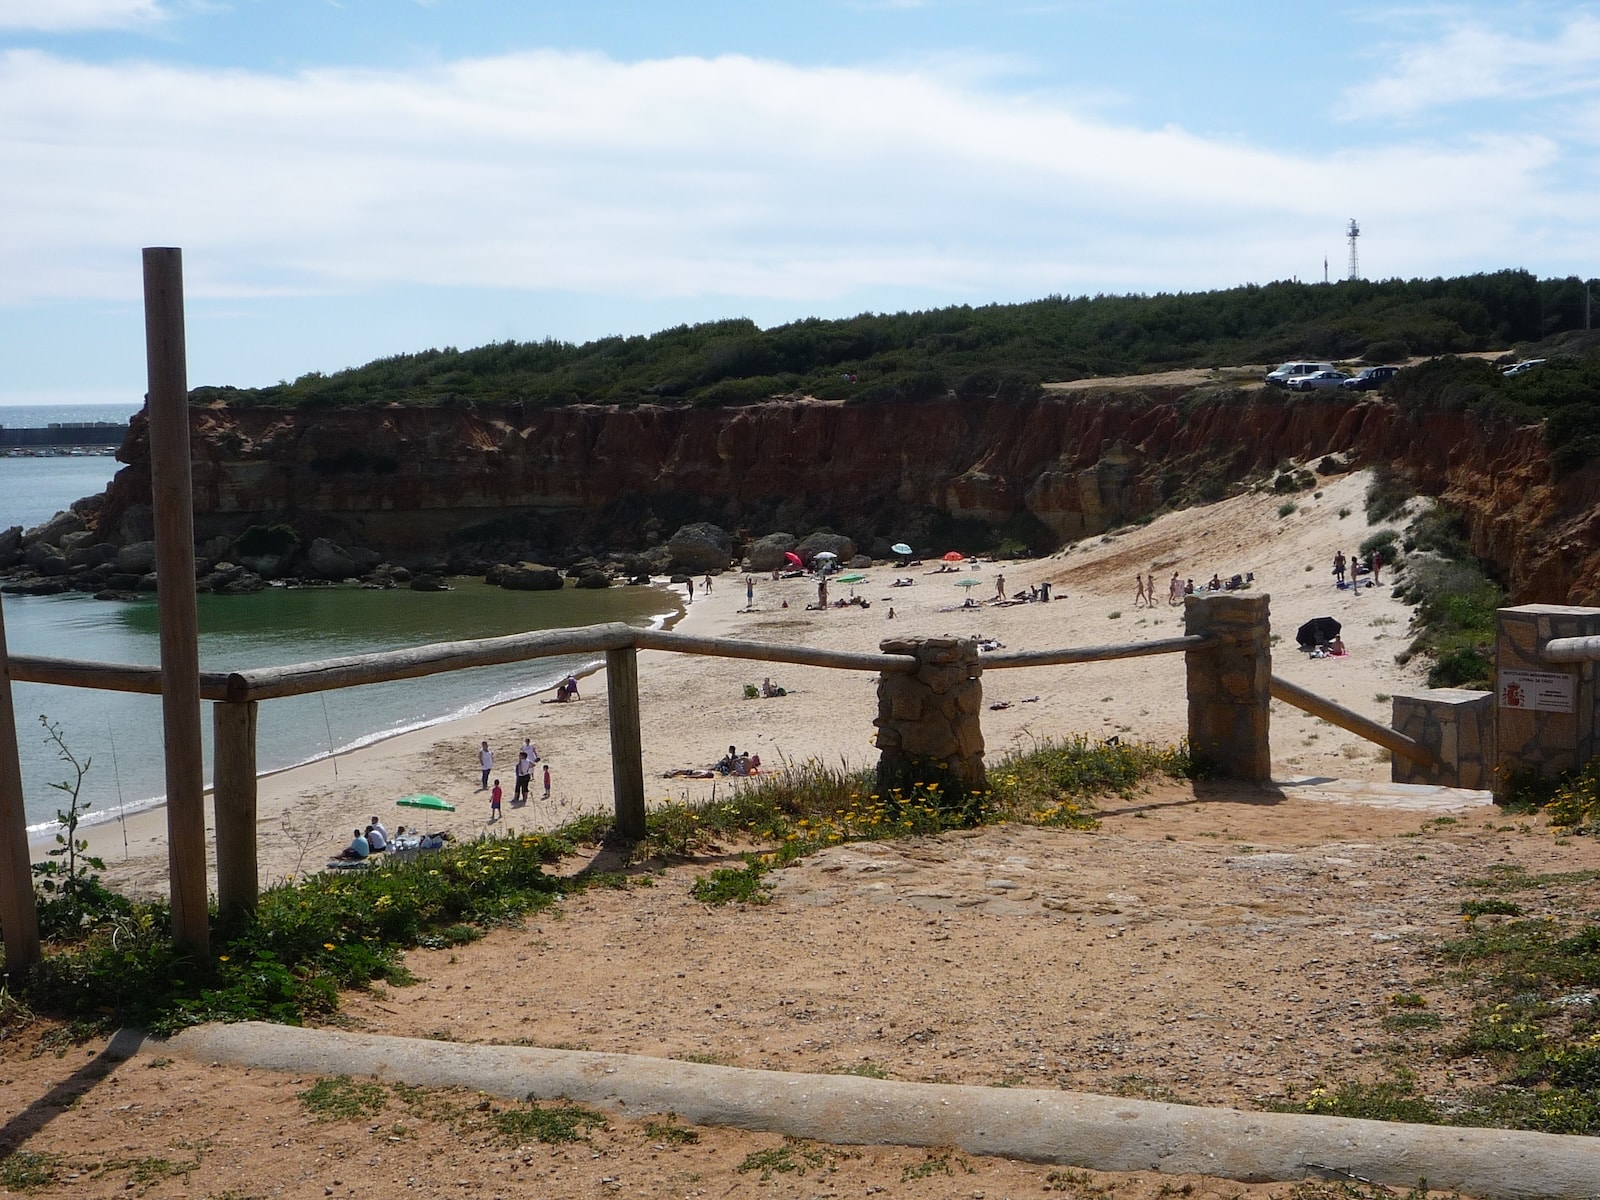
point(121, 734)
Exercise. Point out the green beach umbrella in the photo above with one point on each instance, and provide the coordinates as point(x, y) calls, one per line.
point(969, 583)
point(426, 802)
point(851, 578)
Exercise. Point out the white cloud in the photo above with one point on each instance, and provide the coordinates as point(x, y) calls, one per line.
point(1475, 62)
point(71, 16)
point(688, 176)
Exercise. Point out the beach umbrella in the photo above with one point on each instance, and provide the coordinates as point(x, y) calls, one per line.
point(433, 802)
point(969, 583)
point(851, 578)
point(824, 554)
point(954, 556)
point(793, 557)
point(899, 548)
point(1317, 631)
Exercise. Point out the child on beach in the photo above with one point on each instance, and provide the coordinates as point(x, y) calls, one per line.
point(494, 802)
point(547, 781)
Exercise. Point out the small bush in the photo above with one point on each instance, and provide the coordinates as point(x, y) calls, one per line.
point(1286, 508)
point(554, 1124)
point(1387, 495)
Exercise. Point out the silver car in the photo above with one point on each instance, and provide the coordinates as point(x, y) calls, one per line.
point(1320, 381)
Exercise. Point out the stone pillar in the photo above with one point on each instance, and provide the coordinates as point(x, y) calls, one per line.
point(1458, 726)
point(928, 727)
point(1545, 712)
point(1230, 685)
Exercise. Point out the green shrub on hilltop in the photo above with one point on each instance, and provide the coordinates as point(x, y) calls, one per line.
point(997, 351)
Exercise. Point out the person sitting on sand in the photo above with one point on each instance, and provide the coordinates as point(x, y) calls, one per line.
point(769, 690)
point(568, 689)
point(358, 849)
point(377, 837)
point(725, 763)
point(1216, 583)
point(1336, 647)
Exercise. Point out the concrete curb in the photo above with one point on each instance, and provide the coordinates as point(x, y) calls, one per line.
point(1098, 1132)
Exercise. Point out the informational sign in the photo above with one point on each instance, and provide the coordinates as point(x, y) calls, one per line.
point(1538, 691)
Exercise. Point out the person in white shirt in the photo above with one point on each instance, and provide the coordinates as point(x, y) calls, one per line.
point(486, 761)
point(377, 836)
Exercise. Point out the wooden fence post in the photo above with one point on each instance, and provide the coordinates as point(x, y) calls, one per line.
point(627, 753)
point(167, 405)
point(233, 800)
point(18, 913)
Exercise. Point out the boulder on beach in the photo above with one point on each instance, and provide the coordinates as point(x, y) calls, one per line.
point(595, 578)
point(525, 577)
point(328, 560)
point(137, 559)
point(835, 543)
point(428, 583)
point(766, 553)
point(701, 547)
point(57, 527)
point(10, 547)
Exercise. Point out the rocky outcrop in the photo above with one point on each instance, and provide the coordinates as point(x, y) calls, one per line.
point(455, 489)
point(700, 547)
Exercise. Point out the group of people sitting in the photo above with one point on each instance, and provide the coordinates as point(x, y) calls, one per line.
point(735, 763)
point(375, 839)
point(566, 690)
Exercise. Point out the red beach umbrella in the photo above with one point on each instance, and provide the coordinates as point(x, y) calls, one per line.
point(954, 556)
point(793, 557)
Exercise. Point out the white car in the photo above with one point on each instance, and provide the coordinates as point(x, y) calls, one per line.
point(1320, 381)
point(1292, 370)
point(1525, 365)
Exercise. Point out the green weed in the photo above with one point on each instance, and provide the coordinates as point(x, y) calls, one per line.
point(554, 1124)
point(341, 1098)
point(25, 1171)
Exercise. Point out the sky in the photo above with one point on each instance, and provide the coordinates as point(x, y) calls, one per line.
point(351, 179)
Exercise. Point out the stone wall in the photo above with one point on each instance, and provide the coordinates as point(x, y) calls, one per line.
point(928, 726)
point(1230, 684)
point(1458, 726)
point(1545, 712)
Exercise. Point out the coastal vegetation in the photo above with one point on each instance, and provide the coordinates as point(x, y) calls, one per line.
point(995, 350)
point(1522, 971)
point(347, 929)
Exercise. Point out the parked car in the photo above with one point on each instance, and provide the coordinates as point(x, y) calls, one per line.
point(1368, 378)
point(1292, 370)
point(1525, 365)
point(1320, 381)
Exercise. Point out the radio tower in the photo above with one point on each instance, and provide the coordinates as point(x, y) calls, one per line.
point(1353, 233)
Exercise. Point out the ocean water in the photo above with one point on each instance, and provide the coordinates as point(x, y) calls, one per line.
point(121, 734)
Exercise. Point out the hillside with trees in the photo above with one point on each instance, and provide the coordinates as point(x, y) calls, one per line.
point(990, 350)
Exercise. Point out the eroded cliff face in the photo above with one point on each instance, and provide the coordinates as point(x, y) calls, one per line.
point(408, 481)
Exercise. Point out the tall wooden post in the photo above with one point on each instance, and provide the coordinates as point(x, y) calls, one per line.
point(627, 753)
point(18, 913)
point(233, 800)
point(168, 410)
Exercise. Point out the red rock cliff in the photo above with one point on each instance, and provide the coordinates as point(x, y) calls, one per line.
point(405, 481)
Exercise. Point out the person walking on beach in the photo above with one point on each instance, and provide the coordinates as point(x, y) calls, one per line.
point(1140, 600)
point(547, 781)
point(749, 591)
point(691, 591)
point(486, 762)
point(530, 750)
point(1377, 566)
point(519, 794)
point(706, 583)
point(1149, 590)
point(999, 587)
point(1175, 590)
point(494, 802)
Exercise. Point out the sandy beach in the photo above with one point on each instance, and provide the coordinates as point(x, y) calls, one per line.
point(693, 708)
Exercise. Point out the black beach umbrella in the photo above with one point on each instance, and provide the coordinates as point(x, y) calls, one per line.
point(1317, 631)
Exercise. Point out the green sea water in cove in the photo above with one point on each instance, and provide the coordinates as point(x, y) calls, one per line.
point(122, 734)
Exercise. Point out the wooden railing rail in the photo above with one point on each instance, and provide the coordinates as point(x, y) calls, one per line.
point(1088, 654)
point(107, 677)
point(1345, 718)
point(1571, 650)
point(805, 656)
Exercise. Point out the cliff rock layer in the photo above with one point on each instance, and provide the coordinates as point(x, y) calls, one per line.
point(407, 481)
